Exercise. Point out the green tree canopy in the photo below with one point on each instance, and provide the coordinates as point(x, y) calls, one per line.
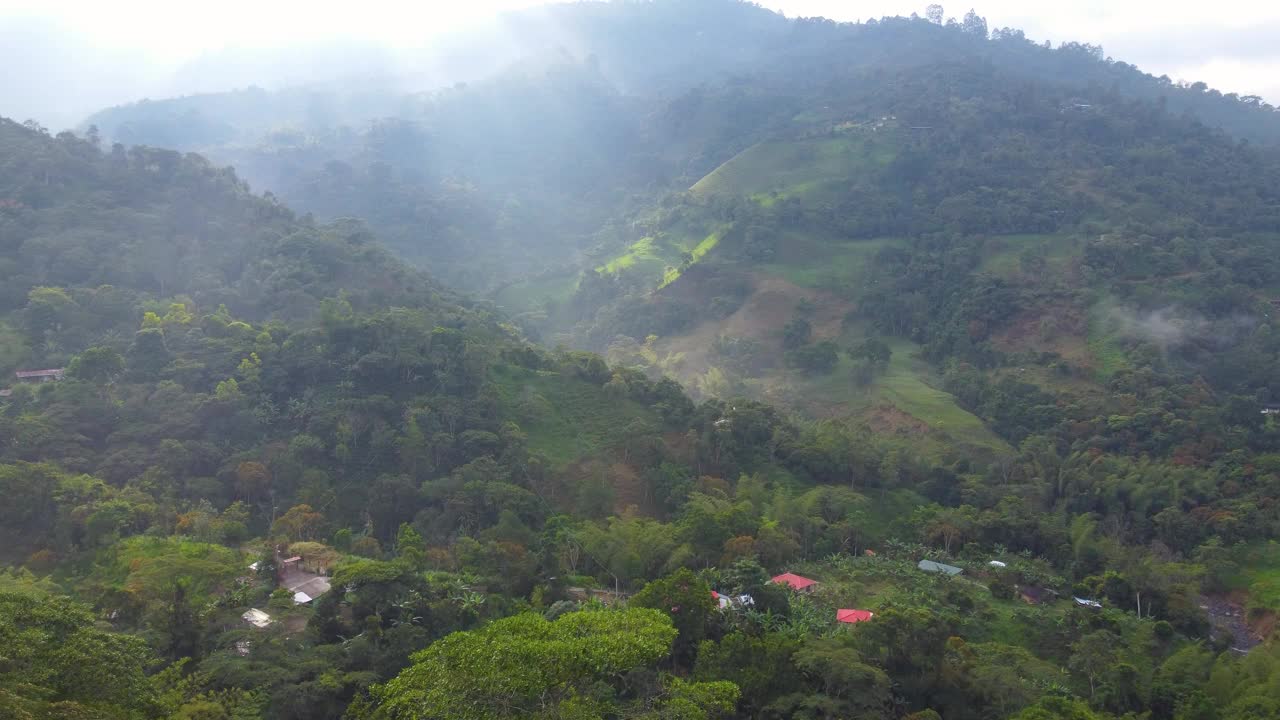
point(524, 665)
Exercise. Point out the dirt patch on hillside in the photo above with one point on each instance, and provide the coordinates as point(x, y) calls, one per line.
point(700, 284)
point(627, 489)
point(888, 419)
point(773, 304)
point(1229, 618)
point(1063, 330)
point(1263, 624)
point(769, 305)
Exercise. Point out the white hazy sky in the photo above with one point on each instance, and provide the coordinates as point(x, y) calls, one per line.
point(63, 58)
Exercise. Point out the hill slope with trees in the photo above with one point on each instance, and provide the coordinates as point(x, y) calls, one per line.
point(940, 294)
point(515, 177)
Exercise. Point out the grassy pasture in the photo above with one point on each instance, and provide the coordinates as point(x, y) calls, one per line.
point(770, 171)
point(583, 421)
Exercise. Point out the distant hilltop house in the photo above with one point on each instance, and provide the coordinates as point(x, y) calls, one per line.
point(937, 567)
point(6, 392)
point(1086, 602)
point(41, 376)
point(795, 582)
point(1271, 409)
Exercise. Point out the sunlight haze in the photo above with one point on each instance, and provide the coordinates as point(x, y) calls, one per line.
point(76, 57)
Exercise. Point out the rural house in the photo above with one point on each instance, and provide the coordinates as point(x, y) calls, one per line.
point(728, 601)
point(937, 567)
point(304, 584)
point(853, 616)
point(795, 582)
point(41, 376)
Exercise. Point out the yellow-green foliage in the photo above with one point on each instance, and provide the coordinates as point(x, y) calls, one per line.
point(696, 254)
point(524, 665)
point(661, 257)
point(643, 251)
point(149, 567)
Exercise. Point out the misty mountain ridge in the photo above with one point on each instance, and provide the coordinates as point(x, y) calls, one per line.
point(662, 48)
point(580, 214)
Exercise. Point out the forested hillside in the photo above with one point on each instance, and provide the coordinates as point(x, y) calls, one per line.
point(976, 339)
point(527, 174)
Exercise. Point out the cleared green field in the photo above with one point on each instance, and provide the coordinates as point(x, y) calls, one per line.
point(1104, 344)
point(697, 253)
point(661, 258)
point(531, 294)
point(583, 420)
point(1259, 576)
point(773, 170)
point(824, 262)
point(1003, 253)
point(910, 385)
point(643, 254)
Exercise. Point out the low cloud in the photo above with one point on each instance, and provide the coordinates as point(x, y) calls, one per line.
point(1171, 327)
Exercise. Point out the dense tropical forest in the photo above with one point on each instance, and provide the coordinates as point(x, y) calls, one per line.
point(702, 364)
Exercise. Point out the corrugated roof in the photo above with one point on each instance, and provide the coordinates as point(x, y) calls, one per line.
point(853, 616)
point(796, 582)
point(931, 566)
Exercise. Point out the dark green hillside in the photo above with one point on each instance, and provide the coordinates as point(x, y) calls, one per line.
point(90, 235)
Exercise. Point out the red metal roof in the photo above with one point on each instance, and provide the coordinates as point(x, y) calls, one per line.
point(853, 616)
point(794, 581)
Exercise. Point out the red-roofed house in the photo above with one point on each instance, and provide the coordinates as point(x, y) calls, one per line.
point(795, 582)
point(853, 616)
